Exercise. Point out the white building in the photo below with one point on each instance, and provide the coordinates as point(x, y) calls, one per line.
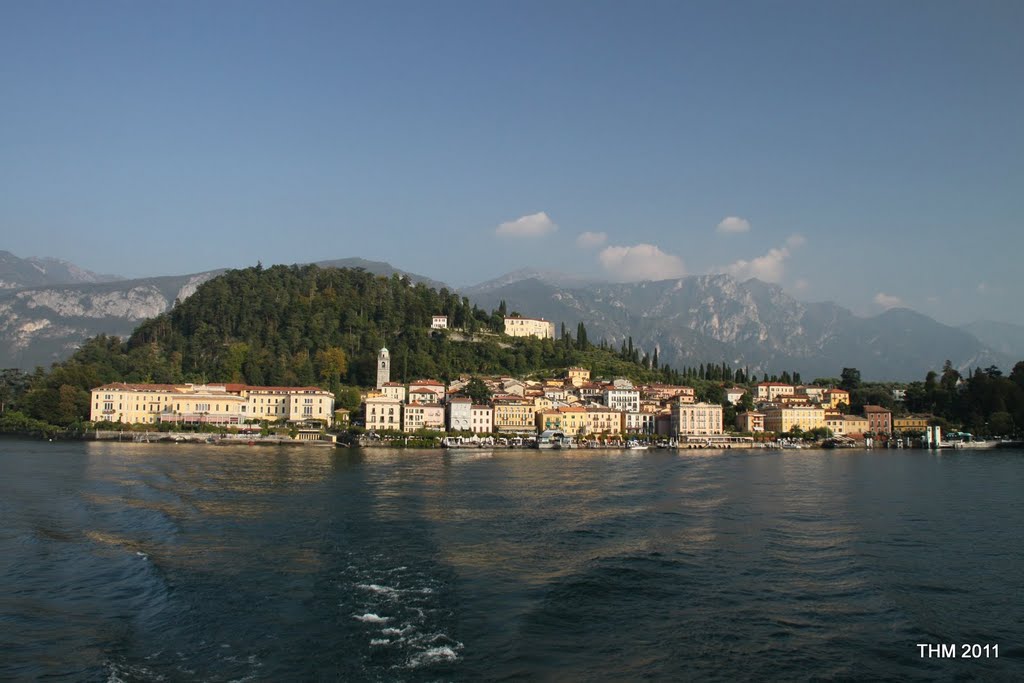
point(395, 390)
point(699, 419)
point(529, 327)
point(422, 416)
point(383, 412)
point(626, 400)
point(734, 395)
point(439, 322)
point(430, 384)
point(482, 417)
point(641, 423)
point(459, 415)
point(222, 404)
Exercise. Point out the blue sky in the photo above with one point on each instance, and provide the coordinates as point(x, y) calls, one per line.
point(870, 153)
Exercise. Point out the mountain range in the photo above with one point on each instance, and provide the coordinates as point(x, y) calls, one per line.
point(16, 273)
point(690, 320)
point(753, 324)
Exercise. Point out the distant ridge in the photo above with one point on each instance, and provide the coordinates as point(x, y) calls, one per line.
point(16, 273)
point(690, 320)
point(381, 268)
point(548, 277)
point(714, 318)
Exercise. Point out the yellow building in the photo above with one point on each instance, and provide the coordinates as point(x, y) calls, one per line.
point(542, 403)
point(771, 391)
point(578, 376)
point(221, 404)
point(833, 397)
point(696, 419)
point(750, 422)
point(529, 327)
point(582, 422)
point(846, 425)
point(605, 421)
point(514, 414)
point(570, 420)
point(782, 419)
point(910, 423)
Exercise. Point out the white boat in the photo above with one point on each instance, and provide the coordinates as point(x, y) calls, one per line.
point(636, 446)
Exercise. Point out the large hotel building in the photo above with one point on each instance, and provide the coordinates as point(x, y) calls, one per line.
point(220, 404)
point(529, 327)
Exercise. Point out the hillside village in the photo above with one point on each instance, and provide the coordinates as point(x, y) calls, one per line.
point(576, 405)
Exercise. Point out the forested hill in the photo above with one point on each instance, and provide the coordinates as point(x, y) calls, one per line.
point(300, 325)
point(306, 325)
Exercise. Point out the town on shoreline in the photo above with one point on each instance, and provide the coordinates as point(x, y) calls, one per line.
point(566, 408)
point(574, 410)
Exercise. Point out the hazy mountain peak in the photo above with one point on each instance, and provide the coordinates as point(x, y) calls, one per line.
point(380, 268)
point(16, 273)
point(549, 277)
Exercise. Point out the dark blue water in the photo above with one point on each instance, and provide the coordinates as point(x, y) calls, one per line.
point(182, 562)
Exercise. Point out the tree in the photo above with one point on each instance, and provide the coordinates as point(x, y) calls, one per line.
point(332, 362)
point(1000, 424)
point(348, 398)
point(849, 379)
point(476, 390)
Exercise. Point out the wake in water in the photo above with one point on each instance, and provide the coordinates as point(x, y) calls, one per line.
point(403, 619)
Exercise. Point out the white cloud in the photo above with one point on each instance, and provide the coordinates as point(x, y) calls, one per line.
point(589, 240)
point(534, 225)
point(771, 267)
point(732, 224)
point(801, 285)
point(641, 262)
point(887, 300)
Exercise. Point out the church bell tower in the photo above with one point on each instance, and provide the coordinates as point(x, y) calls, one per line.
point(383, 368)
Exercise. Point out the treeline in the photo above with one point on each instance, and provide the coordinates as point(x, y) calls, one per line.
point(985, 402)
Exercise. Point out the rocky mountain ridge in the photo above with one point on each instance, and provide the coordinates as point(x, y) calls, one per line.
point(690, 320)
point(716, 318)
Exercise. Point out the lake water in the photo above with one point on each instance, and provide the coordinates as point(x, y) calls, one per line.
point(184, 562)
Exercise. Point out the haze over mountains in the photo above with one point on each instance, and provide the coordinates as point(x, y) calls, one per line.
point(691, 320)
point(34, 272)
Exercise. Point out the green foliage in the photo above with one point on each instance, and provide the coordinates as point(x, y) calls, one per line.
point(987, 403)
point(13, 385)
point(15, 422)
point(477, 391)
point(348, 398)
point(301, 326)
point(849, 379)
